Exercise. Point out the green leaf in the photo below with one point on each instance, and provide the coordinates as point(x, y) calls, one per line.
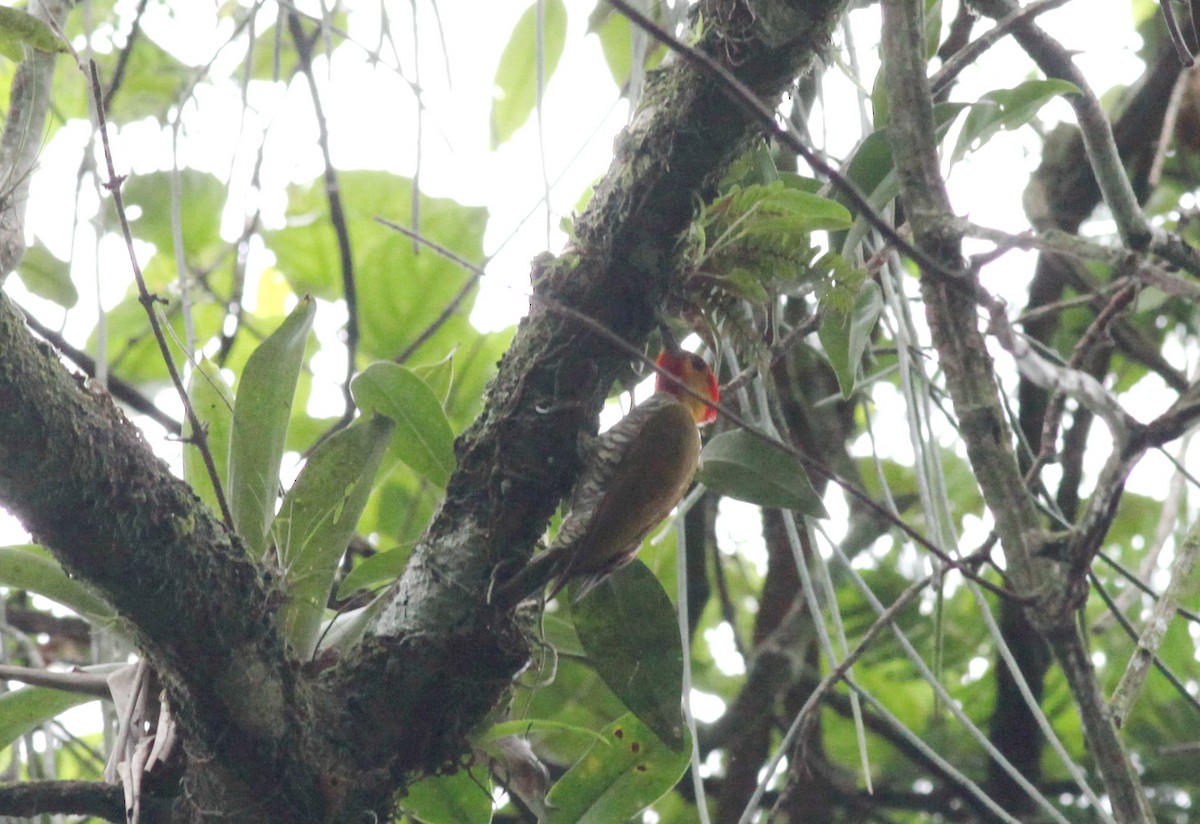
point(32, 568)
point(616, 780)
point(627, 628)
point(753, 167)
point(845, 335)
point(516, 77)
point(401, 292)
point(739, 465)
point(450, 799)
point(616, 41)
point(154, 81)
point(19, 28)
point(1006, 109)
point(317, 518)
point(47, 276)
point(439, 376)
point(872, 171)
point(260, 422)
point(423, 437)
point(202, 199)
point(134, 352)
point(24, 709)
point(212, 400)
point(380, 568)
point(775, 207)
point(933, 27)
point(616, 33)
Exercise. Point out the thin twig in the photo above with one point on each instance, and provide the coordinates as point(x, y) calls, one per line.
point(131, 40)
point(1177, 40)
point(1130, 576)
point(1129, 629)
point(972, 51)
point(199, 434)
point(1055, 61)
point(885, 619)
point(337, 217)
point(450, 308)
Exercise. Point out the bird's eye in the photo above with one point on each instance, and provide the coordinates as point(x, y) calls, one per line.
point(698, 363)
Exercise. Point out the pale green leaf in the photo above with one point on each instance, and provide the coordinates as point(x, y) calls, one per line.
point(317, 518)
point(47, 276)
point(1007, 109)
point(439, 376)
point(28, 707)
point(32, 568)
point(401, 292)
point(516, 76)
point(260, 422)
point(202, 197)
point(19, 28)
point(423, 438)
point(845, 335)
point(450, 799)
point(212, 400)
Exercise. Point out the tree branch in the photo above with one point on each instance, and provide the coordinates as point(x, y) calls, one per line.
point(971, 381)
point(162, 558)
point(519, 457)
point(33, 798)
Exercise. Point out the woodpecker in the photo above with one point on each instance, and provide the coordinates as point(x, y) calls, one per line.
point(633, 476)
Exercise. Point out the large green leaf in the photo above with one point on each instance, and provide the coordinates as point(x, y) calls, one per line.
point(616, 35)
point(202, 198)
point(516, 76)
point(845, 334)
point(423, 437)
point(402, 292)
point(1007, 109)
point(628, 629)
point(33, 569)
point(872, 171)
point(19, 29)
point(317, 518)
point(739, 465)
point(380, 568)
point(153, 82)
point(47, 276)
point(24, 709)
point(260, 421)
point(578, 698)
point(212, 400)
point(460, 798)
point(617, 779)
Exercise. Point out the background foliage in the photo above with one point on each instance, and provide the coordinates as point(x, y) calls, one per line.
point(283, 283)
